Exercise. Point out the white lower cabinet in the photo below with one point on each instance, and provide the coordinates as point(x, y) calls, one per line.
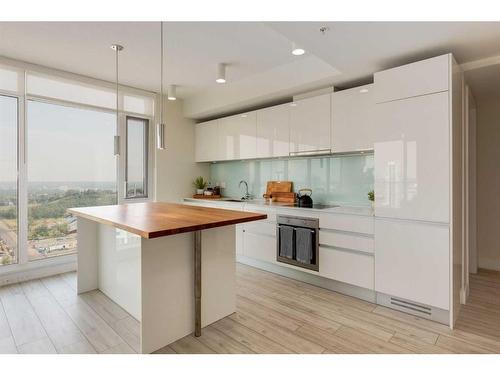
point(347, 223)
point(259, 246)
point(351, 241)
point(412, 261)
point(348, 267)
point(239, 238)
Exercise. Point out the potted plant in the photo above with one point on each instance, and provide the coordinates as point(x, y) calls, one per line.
point(200, 184)
point(371, 197)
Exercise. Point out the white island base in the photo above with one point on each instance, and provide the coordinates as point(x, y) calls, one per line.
point(153, 279)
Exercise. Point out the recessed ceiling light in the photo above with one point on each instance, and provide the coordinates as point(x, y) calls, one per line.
point(293, 104)
point(172, 92)
point(363, 91)
point(297, 50)
point(244, 115)
point(221, 73)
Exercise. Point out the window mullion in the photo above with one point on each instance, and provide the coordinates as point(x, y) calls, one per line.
point(22, 179)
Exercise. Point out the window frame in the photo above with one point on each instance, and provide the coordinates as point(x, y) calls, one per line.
point(146, 171)
point(19, 152)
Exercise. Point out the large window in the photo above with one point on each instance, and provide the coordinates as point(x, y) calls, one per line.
point(136, 168)
point(8, 180)
point(70, 164)
point(57, 150)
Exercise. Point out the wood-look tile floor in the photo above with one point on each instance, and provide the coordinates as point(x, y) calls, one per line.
point(274, 315)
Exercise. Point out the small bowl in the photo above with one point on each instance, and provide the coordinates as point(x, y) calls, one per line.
point(207, 193)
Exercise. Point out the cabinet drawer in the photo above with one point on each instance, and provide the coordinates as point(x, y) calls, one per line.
point(351, 268)
point(271, 214)
point(348, 223)
point(346, 241)
point(419, 78)
point(268, 229)
point(259, 247)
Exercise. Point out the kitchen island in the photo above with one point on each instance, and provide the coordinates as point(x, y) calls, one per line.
point(148, 258)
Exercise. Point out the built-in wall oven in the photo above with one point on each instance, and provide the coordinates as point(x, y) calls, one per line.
point(298, 241)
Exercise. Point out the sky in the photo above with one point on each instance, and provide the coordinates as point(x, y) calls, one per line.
point(69, 144)
point(66, 144)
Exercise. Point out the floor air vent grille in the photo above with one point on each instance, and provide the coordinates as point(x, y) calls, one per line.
point(411, 306)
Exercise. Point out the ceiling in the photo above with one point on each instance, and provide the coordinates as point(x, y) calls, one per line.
point(484, 81)
point(261, 68)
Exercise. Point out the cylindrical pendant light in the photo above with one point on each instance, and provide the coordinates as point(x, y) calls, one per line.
point(172, 92)
point(221, 73)
point(297, 50)
point(117, 48)
point(160, 134)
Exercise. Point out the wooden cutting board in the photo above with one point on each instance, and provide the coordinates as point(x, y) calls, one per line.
point(279, 187)
point(283, 197)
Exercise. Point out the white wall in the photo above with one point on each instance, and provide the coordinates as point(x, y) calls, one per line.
point(488, 181)
point(175, 166)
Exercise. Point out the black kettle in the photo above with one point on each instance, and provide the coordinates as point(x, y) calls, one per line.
point(304, 199)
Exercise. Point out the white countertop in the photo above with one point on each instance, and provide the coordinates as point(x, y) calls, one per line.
point(260, 203)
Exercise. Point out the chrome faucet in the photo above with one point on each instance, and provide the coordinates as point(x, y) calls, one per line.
point(247, 196)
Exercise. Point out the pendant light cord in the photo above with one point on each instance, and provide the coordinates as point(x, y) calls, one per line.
point(161, 72)
point(116, 61)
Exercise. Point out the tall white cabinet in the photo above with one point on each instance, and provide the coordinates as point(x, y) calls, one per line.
point(414, 168)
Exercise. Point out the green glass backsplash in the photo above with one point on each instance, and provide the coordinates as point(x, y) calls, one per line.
point(342, 179)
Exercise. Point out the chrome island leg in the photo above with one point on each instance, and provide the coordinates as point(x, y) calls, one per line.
point(197, 283)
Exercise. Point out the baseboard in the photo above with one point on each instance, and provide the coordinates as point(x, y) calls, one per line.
point(489, 264)
point(37, 273)
point(336, 286)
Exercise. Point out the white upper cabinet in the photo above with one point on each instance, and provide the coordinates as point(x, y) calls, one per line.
point(353, 126)
point(310, 124)
point(206, 141)
point(237, 136)
point(412, 158)
point(419, 78)
point(273, 131)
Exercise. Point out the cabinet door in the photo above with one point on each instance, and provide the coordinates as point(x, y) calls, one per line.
point(259, 246)
point(273, 131)
point(412, 261)
point(206, 141)
point(353, 126)
point(412, 167)
point(310, 124)
point(419, 78)
point(237, 136)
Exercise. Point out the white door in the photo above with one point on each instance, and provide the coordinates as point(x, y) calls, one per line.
point(412, 261)
point(310, 124)
point(412, 153)
point(238, 136)
point(353, 126)
point(273, 131)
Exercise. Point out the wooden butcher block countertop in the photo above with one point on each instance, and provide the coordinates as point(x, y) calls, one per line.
point(158, 219)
